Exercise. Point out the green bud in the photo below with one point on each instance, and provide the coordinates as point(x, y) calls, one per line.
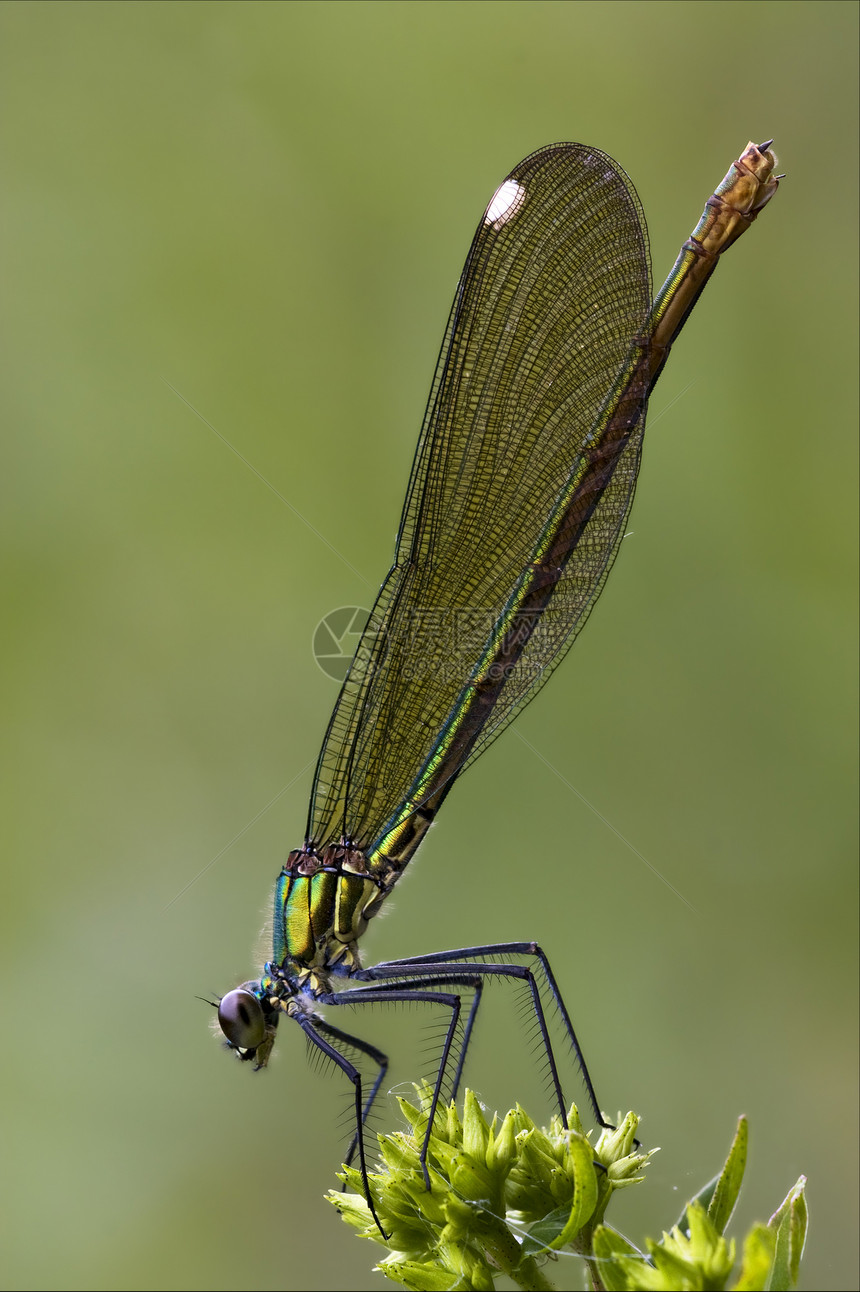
point(411, 1114)
point(459, 1213)
point(626, 1170)
point(473, 1180)
point(352, 1208)
point(428, 1203)
point(453, 1127)
point(573, 1120)
point(425, 1276)
point(615, 1144)
point(501, 1152)
point(702, 1249)
point(399, 1153)
point(522, 1121)
point(476, 1132)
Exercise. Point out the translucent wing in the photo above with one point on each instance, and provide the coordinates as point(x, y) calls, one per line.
point(555, 288)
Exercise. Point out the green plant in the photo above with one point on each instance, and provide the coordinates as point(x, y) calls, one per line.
point(508, 1198)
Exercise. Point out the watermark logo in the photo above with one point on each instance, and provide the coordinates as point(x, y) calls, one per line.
point(439, 647)
point(336, 642)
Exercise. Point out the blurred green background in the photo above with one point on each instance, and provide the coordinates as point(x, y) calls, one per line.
point(268, 206)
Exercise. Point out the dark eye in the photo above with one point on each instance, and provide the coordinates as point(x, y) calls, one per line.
point(241, 1017)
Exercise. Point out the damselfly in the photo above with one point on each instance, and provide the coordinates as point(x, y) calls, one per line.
point(517, 502)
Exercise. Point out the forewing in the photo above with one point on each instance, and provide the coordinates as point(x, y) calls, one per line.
point(555, 287)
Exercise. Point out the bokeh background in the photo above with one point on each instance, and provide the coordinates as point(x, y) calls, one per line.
point(266, 207)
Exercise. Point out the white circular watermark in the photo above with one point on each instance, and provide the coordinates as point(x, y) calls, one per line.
point(337, 639)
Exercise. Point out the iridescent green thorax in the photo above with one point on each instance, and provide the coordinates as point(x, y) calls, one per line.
point(322, 904)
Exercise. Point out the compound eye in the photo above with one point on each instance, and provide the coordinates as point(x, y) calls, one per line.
point(241, 1017)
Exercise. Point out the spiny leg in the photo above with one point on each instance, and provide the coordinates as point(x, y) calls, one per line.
point(476, 985)
point(378, 1057)
point(467, 1036)
point(313, 1030)
point(420, 992)
point(450, 973)
point(412, 964)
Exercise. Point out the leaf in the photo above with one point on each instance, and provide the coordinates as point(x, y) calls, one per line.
point(613, 1244)
point(719, 1195)
point(789, 1221)
point(546, 1232)
point(581, 1163)
point(611, 1248)
point(725, 1195)
point(560, 1226)
point(759, 1248)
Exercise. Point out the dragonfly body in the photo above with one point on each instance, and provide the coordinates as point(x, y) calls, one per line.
point(520, 491)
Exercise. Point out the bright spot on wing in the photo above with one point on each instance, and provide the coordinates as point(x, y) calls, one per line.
point(507, 200)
